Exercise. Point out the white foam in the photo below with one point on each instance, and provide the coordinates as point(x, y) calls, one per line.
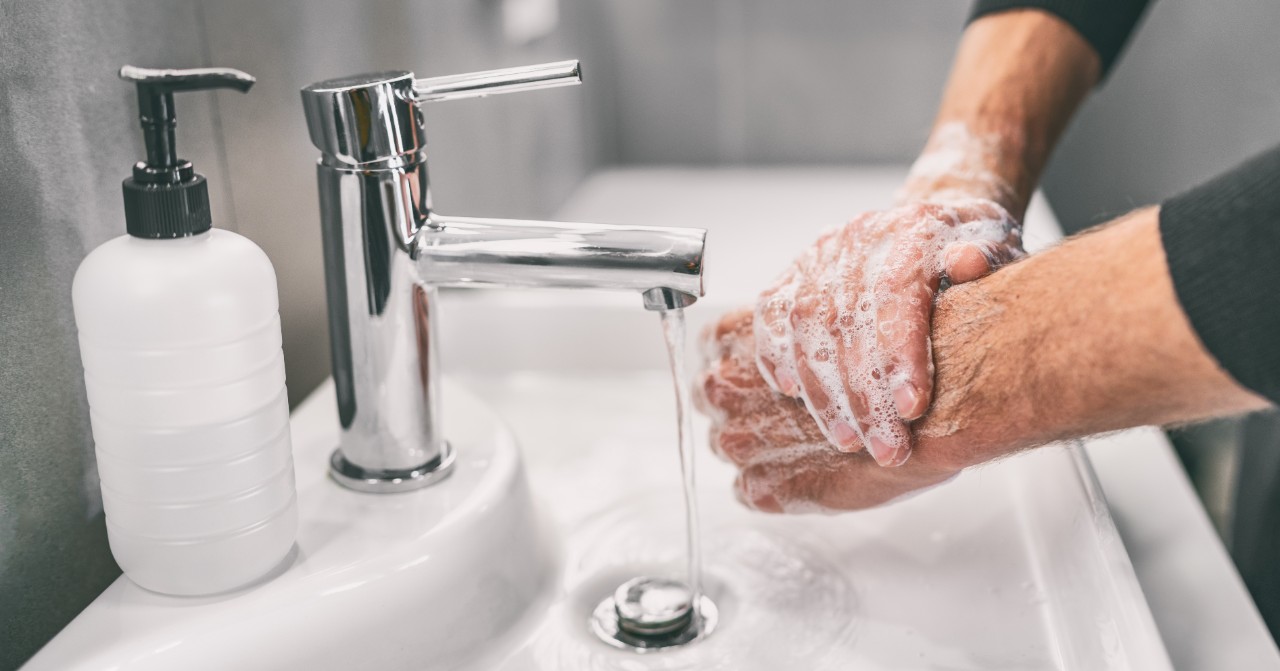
point(830, 307)
point(959, 155)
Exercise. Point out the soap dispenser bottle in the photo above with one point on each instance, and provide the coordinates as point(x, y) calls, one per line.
point(179, 333)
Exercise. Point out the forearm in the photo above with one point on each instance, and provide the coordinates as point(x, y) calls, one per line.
point(1085, 338)
point(1018, 77)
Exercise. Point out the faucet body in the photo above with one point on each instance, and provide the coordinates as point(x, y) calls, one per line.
point(386, 252)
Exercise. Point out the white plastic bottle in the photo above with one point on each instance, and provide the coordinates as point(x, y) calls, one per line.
point(180, 340)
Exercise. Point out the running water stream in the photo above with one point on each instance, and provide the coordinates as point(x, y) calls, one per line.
point(649, 613)
point(673, 331)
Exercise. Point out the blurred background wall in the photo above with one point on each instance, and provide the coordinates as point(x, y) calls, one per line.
point(707, 82)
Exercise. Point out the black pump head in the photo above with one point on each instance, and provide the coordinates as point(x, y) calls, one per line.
point(165, 198)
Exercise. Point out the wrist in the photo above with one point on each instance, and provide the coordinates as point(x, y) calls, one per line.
point(1085, 338)
point(959, 162)
point(979, 412)
point(1016, 80)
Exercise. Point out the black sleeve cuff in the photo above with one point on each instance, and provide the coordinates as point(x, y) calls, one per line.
point(1222, 242)
point(1104, 24)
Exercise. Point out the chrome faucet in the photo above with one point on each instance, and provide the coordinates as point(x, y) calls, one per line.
point(386, 252)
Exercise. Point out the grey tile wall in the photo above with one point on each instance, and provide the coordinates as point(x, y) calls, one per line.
point(1197, 92)
point(762, 81)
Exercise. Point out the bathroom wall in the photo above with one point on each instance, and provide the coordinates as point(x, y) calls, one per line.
point(1197, 92)
point(762, 81)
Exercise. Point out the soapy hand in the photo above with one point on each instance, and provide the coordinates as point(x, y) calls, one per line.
point(846, 327)
point(785, 462)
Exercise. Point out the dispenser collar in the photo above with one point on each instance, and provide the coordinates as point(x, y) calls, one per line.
point(165, 198)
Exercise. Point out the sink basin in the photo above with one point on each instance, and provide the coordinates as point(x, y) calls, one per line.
point(1016, 565)
point(431, 578)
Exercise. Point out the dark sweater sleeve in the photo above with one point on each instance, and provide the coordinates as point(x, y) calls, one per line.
point(1104, 24)
point(1222, 242)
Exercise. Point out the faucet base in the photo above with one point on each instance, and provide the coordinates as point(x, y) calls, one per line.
point(383, 481)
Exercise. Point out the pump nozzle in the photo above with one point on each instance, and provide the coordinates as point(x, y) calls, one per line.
point(158, 117)
point(165, 198)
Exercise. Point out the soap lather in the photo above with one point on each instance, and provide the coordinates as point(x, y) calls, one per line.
point(179, 335)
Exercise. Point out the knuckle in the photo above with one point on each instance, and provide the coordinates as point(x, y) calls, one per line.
point(736, 446)
point(713, 440)
point(715, 391)
point(699, 389)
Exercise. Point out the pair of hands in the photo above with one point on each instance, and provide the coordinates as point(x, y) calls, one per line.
point(811, 394)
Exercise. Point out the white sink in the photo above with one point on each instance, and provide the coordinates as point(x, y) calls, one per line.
point(1013, 566)
point(425, 579)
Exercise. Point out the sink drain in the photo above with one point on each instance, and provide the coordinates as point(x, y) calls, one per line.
point(646, 614)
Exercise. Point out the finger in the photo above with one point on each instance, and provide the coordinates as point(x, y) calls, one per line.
point(821, 309)
point(968, 261)
point(796, 487)
point(828, 482)
point(718, 339)
point(764, 502)
point(719, 398)
point(903, 296)
point(699, 394)
point(773, 334)
point(710, 345)
point(818, 368)
point(719, 336)
point(738, 446)
point(887, 354)
point(773, 326)
point(851, 328)
point(713, 440)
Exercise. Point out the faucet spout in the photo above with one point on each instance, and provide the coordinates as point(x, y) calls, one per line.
point(467, 251)
point(666, 300)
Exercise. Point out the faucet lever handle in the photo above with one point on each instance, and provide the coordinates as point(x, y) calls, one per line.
point(489, 82)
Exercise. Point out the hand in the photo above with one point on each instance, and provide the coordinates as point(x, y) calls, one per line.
point(785, 462)
point(1017, 78)
point(1020, 363)
point(846, 327)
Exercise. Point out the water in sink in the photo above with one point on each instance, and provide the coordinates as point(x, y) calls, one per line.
point(765, 582)
point(770, 582)
point(684, 613)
